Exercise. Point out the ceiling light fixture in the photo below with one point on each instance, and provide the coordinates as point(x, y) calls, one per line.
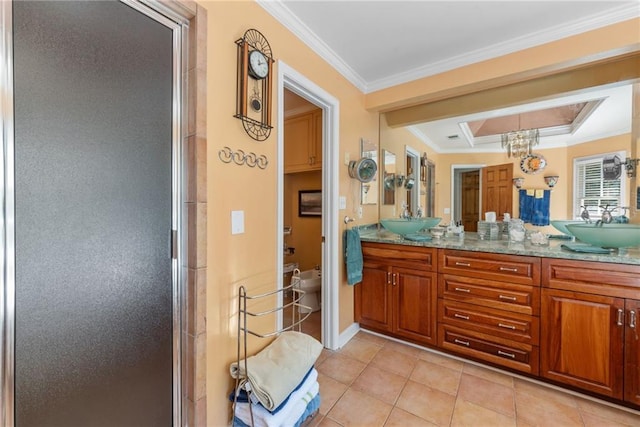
point(519, 143)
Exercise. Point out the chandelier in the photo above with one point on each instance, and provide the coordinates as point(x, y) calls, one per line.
point(520, 142)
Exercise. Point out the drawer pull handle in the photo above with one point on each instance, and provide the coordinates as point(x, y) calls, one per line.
point(514, 270)
point(632, 319)
point(620, 321)
point(463, 264)
point(504, 353)
point(461, 316)
point(507, 297)
point(462, 290)
point(502, 325)
point(465, 343)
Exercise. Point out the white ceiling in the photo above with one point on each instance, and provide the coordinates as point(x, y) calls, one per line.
point(378, 44)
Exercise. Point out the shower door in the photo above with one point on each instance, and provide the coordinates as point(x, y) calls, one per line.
point(95, 205)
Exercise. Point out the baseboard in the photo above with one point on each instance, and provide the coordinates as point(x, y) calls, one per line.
point(347, 334)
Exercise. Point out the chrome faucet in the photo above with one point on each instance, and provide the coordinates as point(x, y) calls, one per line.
point(606, 216)
point(585, 214)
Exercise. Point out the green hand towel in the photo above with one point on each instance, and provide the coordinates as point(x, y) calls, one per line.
point(352, 255)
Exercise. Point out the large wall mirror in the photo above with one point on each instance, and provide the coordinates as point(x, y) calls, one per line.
point(574, 123)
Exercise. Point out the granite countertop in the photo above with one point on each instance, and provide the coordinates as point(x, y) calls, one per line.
point(469, 241)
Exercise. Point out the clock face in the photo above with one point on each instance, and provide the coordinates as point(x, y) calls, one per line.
point(258, 65)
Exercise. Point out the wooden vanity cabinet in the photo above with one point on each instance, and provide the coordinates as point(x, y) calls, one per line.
point(488, 307)
point(303, 142)
point(398, 292)
point(589, 336)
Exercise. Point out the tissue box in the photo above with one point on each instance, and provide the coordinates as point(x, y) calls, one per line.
point(489, 230)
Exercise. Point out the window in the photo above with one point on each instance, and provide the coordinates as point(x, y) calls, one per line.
point(591, 190)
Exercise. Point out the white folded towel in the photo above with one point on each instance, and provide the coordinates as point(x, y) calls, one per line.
point(288, 414)
point(278, 369)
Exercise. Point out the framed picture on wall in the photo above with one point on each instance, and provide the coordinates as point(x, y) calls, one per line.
point(310, 203)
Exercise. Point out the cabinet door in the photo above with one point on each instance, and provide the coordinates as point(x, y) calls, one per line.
point(415, 302)
point(632, 353)
point(582, 341)
point(298, 135)
point(373, 297)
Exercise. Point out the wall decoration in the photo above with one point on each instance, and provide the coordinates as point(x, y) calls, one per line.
point(310, 203)
point(253, 98)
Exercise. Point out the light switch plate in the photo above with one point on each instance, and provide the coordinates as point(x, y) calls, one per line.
point(237, 222)
point(343, 202)
point(447, 211)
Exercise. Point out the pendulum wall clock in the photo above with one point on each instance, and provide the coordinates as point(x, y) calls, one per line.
point(253, 101)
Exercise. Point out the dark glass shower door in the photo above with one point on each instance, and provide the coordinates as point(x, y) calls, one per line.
point(93, 197)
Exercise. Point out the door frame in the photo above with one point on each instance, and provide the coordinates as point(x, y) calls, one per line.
point(456, 184)
point(297, 83)
point(178, 22)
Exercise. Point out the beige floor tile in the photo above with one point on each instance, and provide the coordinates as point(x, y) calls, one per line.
point(489, 395)
point(441, 360)
point(427, 403)
point(330, 391)
point(380, 384)
point(469, 414)
point(342, 368)
point(323, 356)
point(488, 374)
point(359, 409)
point(402, 348)
point(591, 420)
point(328, 422)
point(393, 361)
point(436, 376)
point(540, 411)
point(543, 392)
point(608, 412)
point(400, 418)
point(361, 350)
point(376, 339)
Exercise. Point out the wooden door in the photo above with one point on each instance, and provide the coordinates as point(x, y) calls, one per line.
point(632, 353)
point(582, 341)
point(373, 297)
point(497, 189)
point(415, 297)
point(470, 196)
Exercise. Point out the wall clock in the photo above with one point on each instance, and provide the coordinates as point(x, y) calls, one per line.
point(253, 100)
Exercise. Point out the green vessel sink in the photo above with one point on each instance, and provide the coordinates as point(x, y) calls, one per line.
point(561, 224)
point(607, 235)
point(404, 226)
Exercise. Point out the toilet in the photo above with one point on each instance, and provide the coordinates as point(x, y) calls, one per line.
point(309, 281)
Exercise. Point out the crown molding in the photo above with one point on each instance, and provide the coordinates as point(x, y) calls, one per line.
point(282, 14)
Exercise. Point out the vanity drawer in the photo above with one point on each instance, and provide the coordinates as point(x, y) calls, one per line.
point(414, 257)
point(512, 268)
point(504, 296)
point(514, 326)
point(518, 356)
point(601, 278)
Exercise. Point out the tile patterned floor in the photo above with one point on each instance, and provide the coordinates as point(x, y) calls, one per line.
point(374, 381)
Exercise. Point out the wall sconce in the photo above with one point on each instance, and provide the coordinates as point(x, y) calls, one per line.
point(630, 166)
point(551, 181)
point(517, 182)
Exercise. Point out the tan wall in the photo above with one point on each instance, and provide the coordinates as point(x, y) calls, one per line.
point(250, 258)
point(306, 235)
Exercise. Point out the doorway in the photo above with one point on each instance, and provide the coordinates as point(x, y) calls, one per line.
point(466, 202)
point(290, 79)
point(92, 244)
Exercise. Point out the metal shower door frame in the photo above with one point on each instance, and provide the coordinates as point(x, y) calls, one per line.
point(179, 27)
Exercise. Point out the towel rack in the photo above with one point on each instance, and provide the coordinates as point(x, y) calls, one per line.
point(244, 330)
